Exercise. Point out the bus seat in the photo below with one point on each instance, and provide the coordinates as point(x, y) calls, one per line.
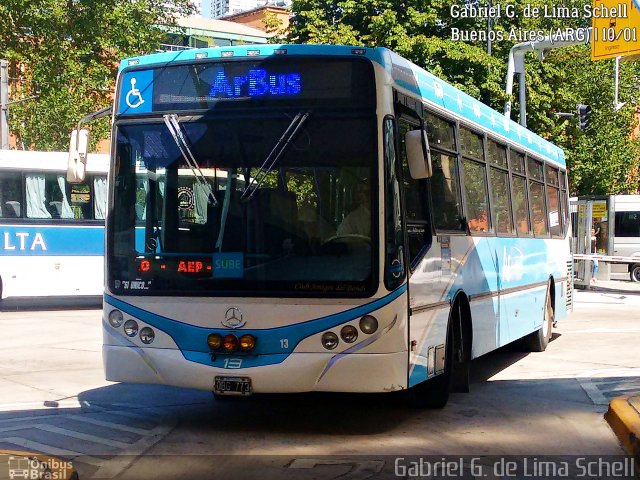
point(275, 207)
point(12, 209)
point(313, 224)
point(55, 209)
point(273, 218)
point(233, 222)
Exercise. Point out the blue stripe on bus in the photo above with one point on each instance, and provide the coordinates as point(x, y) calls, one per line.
point(192, 339)
point(46, 240)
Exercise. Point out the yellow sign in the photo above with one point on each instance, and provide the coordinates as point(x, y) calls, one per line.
point(599, 210)
point(616, 29)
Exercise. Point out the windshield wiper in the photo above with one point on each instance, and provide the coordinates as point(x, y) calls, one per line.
point(173, 125)
point(275, 154)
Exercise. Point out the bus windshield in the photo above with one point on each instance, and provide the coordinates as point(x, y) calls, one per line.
point(306, 226)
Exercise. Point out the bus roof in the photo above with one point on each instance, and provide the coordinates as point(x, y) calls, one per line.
point(23, 160)
point(437, 93)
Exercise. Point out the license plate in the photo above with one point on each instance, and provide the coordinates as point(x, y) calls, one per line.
point(232, 386)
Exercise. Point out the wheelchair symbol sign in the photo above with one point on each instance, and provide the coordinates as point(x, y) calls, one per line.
point(136, 94)
point(134, 97)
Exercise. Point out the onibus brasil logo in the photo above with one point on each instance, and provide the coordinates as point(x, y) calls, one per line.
point(34, 468)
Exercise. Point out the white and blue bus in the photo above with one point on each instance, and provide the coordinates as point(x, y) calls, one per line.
point(51, 231)
point(323, 218)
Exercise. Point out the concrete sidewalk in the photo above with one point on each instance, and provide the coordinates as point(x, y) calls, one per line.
point(623, 414)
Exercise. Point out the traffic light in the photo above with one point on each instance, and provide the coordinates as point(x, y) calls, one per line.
point(584, 111)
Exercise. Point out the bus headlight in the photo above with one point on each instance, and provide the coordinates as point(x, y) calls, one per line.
point(368, 324)
point(214, 341)
point(131, 328)
point(147, 335)
point(247, 342)
point(230, 342)
point(115, 318)
point(329, 340)
point(349, 333)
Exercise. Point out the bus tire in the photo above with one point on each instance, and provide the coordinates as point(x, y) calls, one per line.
point(462, 338)
point(538, 340)
point(634, 272)
point(434, 393)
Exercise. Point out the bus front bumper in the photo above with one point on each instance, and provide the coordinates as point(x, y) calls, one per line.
point(299, 372)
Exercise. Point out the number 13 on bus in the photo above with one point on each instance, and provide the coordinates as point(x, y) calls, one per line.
point(293, 218)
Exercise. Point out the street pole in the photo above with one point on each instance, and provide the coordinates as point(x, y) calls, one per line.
point(4, 105)
point(516, 64)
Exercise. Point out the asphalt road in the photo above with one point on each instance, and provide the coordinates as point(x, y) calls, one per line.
point(54, 399)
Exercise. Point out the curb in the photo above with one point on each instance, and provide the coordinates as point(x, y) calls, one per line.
point(623, 417)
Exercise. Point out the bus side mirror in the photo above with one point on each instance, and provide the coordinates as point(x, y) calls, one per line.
point(418, 154)
point(78, 148)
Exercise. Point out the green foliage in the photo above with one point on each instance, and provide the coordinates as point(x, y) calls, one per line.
point(67, 53)
point(601, 160)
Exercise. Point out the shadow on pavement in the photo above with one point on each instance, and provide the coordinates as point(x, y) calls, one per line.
point(114, 425)
point(50, 303)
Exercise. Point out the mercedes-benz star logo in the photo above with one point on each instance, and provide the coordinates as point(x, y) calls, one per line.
point(233, 318)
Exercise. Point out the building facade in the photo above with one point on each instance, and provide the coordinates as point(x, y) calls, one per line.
point(199, 32)
point(221, 8)
point(257, 18)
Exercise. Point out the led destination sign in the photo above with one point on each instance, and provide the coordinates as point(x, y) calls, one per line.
point(258, 82)
point(344, 82)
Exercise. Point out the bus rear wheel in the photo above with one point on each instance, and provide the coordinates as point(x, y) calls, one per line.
point(538, 340)
point(634, 272)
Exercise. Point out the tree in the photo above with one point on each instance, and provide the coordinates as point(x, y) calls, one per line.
point(67, 53)
point(601, 160)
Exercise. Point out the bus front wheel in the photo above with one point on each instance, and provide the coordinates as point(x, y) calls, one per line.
point(434, 393)
point(634, 272)
point(538, 340)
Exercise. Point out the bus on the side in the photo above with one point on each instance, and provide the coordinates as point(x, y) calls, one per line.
point(51, 231)
point(293, 218)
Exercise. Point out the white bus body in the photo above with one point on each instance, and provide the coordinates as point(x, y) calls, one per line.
point(51, 233)
point(434, 273)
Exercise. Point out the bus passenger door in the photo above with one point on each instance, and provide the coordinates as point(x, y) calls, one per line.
point(424, 272)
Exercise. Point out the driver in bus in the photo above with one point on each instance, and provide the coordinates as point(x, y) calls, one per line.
point(358, 222)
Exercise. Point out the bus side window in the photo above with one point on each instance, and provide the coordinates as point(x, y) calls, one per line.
point(500, 192)
point(79, 195)
point(521, 205)
point(100, 197)
point(475, 188)
point(11, 201)
point(475, 181)
point(553, 202)
point(563, 202)
point(415, 203)
point(47, 196)
point(445, 191)
point(394, 269)
point(519, 193)
point(536, 192)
